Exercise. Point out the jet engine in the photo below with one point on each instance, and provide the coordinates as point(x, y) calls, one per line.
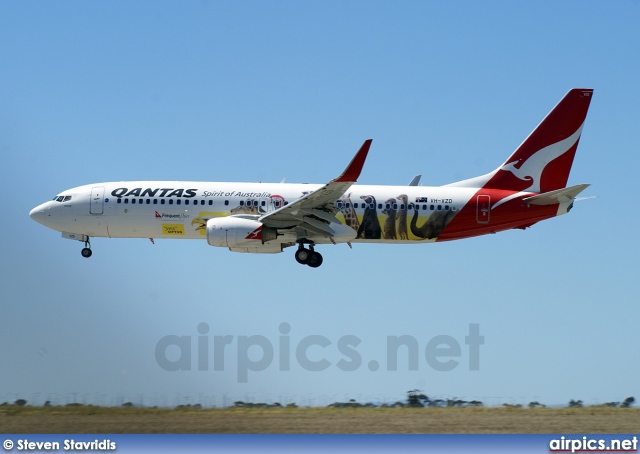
point(237, 232)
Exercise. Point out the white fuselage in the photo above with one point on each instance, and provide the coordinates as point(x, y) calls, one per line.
point(180, 209)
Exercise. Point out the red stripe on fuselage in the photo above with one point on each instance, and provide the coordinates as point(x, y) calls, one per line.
point(509, 215)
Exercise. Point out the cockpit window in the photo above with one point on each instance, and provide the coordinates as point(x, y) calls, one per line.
point(67, 198)
point(60, 199)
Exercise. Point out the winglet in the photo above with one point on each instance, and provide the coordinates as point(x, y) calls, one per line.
point(352, 172)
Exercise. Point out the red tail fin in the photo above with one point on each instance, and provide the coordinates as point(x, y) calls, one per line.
point(543, 161)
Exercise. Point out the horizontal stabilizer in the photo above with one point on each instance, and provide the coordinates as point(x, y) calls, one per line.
point(558, 196)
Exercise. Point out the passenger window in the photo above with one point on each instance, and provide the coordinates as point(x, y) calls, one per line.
point(372, 206)
point(202, 202)
point(161, 201)
point(126, 201)
point(170, 201)
point(417, 207)
point(255, 203)
point(388, 206)
point(226, 203)
point(148, 201)
point(446, 207)
point(186, 202)
point(439, 207)
point(155, 201)
point(242, 203)
point(424, 207)
point(119, 200)
point(140, 201)
point(133, 201)
point(263, 203)
point(210, 202)
point(346, 205)
point(379, 206)
point(178, 202)
point(395, 206)
point(432, 207)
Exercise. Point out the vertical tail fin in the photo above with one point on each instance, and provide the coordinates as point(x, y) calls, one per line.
point(543, 161)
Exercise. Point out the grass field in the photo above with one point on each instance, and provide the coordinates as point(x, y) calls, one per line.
point(89, 419)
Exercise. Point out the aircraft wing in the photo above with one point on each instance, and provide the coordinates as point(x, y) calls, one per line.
point(314, 211)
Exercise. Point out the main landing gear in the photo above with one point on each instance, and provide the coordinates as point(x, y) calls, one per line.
point(308, 257)
point(86, 251)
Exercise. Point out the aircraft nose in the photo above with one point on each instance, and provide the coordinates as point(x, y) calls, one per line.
point(37, 214)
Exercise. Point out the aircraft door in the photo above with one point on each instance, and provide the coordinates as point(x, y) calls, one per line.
point(483, 209)
point(97, 200)
point(274, 202)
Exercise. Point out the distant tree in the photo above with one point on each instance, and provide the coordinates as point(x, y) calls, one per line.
point(351, 404)
point(47, 403)
point(20, 402)
point(536, 404)
point(628, 402)
point(575, 403)
point(415, 398)
point(512, 405)
point(611, 404)
point(456, 403)
point(128, 404)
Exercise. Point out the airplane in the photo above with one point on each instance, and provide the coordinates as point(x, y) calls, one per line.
point(529, 187)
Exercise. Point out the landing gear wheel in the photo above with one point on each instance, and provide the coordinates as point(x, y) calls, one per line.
point(315, 260)
point(86, 252)
point(303, 255)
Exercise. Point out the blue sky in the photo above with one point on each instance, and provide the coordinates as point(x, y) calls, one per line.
point(260, 91)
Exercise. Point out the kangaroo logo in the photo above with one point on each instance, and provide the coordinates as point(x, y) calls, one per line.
point(255, 235)
point(532, 168)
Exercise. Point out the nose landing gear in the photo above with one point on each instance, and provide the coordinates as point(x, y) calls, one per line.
point(308, 256)
point(86, 251)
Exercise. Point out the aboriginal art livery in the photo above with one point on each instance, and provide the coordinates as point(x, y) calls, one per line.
point(530, 186)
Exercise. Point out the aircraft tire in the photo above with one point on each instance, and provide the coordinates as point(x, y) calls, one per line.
point(303, 256)
point(86, 252)
point(315, 260)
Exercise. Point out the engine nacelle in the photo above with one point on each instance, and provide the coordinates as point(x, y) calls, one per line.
point(236, 232)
